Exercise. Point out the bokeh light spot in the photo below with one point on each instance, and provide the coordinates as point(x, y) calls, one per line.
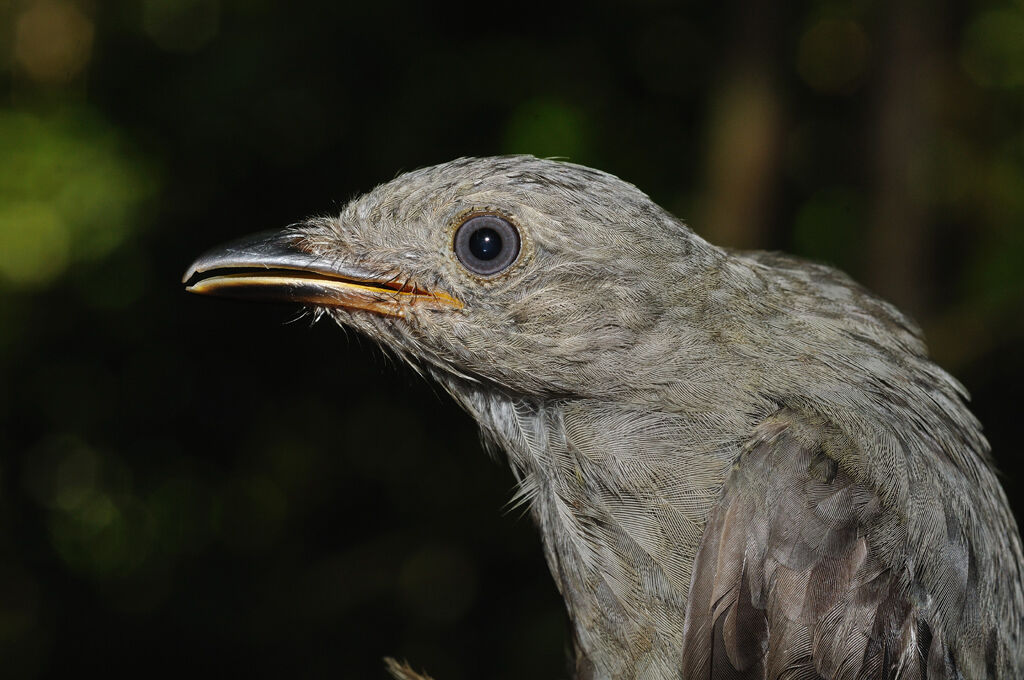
point(75, 479)
point(547, 128)
point(34, 243)
point(97, 512)
point(993, 49)
point(833, 56)
point(53, 41)
point(69, 191)
point(105, 536)
point(828, 225)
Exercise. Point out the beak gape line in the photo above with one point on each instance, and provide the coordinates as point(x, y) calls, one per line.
point(272, 266)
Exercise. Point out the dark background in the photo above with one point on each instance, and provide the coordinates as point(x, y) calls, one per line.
point(191, 485)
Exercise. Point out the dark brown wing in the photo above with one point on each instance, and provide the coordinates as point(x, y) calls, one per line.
point(787, 583)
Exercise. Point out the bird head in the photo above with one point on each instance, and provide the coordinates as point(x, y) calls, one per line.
point(531, 275)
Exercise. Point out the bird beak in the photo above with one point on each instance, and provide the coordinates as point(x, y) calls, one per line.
point(274, 266)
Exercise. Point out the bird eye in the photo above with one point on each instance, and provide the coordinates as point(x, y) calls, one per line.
point(486, 244)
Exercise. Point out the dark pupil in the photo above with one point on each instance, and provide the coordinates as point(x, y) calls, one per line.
point(485, 243)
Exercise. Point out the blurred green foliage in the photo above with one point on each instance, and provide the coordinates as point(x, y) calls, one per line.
point(70, 191)
point(548, 128)
point(190, 486)
point(993, 47)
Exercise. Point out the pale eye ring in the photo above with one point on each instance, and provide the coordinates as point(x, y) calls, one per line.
point(486, 244)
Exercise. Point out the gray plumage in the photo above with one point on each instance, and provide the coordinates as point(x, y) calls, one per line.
point(741, 464)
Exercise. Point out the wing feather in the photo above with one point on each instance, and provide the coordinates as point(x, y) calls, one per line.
point(788, 584)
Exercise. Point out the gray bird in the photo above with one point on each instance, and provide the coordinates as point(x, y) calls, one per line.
point(741, 464)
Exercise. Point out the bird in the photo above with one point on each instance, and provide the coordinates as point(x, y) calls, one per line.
point(741, 464)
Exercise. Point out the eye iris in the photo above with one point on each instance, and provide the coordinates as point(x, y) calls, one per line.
point(485, 243)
